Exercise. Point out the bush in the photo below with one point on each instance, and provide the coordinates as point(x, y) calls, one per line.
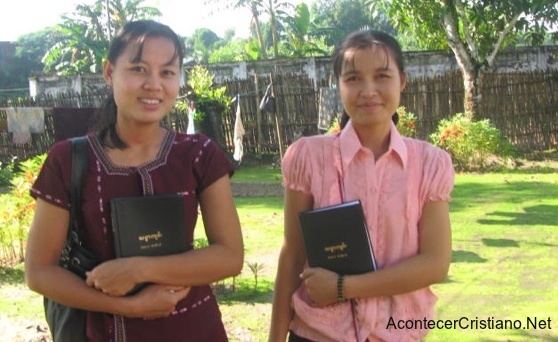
point(17, 211)
point(472, 144)
point(407, 123)
point(6, 172)
point(334, 127)
point(206, 94)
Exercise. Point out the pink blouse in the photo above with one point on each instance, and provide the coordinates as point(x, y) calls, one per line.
point(393, 192)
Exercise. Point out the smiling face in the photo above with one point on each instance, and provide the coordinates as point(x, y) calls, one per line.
point(145, 83)
point(370, 85)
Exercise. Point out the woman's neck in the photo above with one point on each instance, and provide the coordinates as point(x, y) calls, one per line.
point(140, 136)
point(143, 146)
point(375, 137)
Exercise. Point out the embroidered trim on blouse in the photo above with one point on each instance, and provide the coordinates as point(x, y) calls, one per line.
point(111, 168)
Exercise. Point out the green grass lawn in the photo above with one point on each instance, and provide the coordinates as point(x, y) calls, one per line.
point(504, 265)
point(257, 175)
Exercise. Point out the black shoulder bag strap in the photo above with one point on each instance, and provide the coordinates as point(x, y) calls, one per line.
point(77, 179)
point(75, 256)
point(68, 324)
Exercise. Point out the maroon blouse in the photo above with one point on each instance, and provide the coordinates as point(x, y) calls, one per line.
point(186, 164)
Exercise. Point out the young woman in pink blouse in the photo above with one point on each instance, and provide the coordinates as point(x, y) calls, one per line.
point(131, 154)
point(404, 186)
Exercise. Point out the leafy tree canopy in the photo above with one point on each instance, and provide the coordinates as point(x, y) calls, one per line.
point(25, 62)
point(335, 19)
point(483, 27)
point(474, 30)
point(201, 44)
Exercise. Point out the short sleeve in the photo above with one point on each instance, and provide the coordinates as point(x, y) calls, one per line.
point(210, 163)
point(297, 166)
point(53, 182)
point(439, 176)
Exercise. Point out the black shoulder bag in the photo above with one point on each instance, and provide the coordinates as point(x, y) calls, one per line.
point(267, 104)
point(68, 324)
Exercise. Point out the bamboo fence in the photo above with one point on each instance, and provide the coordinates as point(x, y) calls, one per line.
point(523, 105)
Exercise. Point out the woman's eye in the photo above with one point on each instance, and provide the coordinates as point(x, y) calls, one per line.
point(138, 69)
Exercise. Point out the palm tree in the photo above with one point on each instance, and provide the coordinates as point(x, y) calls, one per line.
point(122, 12)
point(254, 8)
point(276, 9)
point(84, 35)
point(277, 15)
point(298, 43)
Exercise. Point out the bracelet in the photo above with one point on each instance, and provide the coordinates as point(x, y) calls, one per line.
point(340, 293)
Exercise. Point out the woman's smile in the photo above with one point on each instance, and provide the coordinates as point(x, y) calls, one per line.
point(369, 106)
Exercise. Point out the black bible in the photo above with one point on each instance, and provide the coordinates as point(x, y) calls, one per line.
point(151, 225)
point(336, 238)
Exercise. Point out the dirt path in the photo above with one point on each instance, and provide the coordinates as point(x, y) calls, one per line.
point(257, 189)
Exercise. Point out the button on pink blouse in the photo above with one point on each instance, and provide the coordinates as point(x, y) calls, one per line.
point(393, 192)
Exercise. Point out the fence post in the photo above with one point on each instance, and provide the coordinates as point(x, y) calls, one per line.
point(258, 117)
point(278, 122)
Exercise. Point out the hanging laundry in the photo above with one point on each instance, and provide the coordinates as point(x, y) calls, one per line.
point(238, 133)
point(71, 122)
point(191, 114)
point(330, 106)
point(23, 121)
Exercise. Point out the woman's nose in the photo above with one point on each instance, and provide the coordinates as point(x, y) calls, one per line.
point(152, 81)
point(369, 88)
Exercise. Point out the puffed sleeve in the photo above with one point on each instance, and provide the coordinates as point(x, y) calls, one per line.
point(210, 162)
point(438, 177)
point(53, 181)
point(297, 166)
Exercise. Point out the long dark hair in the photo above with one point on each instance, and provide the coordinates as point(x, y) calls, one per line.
point(361, 40)
point(133, 33)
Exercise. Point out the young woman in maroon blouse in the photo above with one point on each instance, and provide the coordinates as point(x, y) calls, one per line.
point(132, 155)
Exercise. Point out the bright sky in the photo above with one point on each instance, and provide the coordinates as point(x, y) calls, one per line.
point(18, 17)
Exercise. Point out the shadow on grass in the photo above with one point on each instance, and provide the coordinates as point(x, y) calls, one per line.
point(536, 334)
point(468, 194)
point(531, 170)
point(500, 243)
point(448, 280)
point(11, 276)
point(540, 244)
point(534, 215)
point(466, 256)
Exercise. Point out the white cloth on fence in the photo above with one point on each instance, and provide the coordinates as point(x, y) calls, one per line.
point(238, 134)
point(23, 121)
point(191, 113)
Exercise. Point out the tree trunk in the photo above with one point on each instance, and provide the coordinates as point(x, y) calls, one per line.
point(273, 29)
point(259, 30)
point(472, 81)
point(467, 59)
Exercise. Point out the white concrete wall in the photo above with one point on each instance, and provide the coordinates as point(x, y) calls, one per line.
point(418, 64)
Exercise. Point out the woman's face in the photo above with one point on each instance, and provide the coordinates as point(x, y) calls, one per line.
point(145, 90)
point(370, 86)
